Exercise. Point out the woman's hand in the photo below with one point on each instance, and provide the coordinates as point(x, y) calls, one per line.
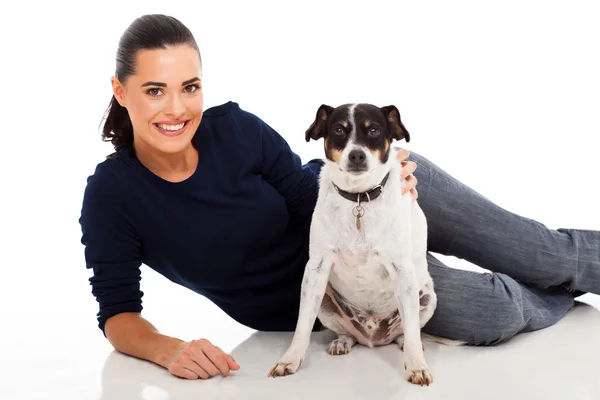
point(408, 167)
point(200, 359)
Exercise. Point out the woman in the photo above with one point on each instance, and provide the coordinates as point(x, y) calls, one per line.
point(216, 201)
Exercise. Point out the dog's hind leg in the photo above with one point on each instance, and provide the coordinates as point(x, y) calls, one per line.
point(427, 303)
point(314, 283)
point(342, 345)
point(332, 317)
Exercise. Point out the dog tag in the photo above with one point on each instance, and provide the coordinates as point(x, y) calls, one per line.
point(358, 212)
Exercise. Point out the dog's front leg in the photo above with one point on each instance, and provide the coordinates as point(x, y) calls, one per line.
point(407, 297)
point(314, 284)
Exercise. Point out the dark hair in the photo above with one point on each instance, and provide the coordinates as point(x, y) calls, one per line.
point(148, 32)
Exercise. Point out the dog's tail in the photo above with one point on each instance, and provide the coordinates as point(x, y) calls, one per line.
point(442, 340)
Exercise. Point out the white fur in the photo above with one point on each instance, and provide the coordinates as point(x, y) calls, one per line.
point(380, 267)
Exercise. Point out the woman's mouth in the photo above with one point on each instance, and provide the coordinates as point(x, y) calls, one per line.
point(171, 128)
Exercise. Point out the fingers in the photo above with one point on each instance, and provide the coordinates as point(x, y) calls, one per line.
point(213, 359)
point(402, 154)
point(411, 183)
point(217, 358)
point(232, 363)
point(414, 194)
point(199, 365)
point(188, 369)
point(201, 359)
point(408, 167)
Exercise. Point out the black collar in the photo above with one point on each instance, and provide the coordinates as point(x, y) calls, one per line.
point(369, 195)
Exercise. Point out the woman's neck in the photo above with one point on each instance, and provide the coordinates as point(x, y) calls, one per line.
point(173, 167)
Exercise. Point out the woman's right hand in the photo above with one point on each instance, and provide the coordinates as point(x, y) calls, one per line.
point(200, 359)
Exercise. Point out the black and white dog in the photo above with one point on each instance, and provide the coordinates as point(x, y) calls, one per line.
point(367, 277)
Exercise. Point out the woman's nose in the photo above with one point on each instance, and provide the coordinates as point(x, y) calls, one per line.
point(175, 106)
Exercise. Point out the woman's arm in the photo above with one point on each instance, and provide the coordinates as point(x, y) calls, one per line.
point(113, 253)
point(131, 334)
point(279, 165)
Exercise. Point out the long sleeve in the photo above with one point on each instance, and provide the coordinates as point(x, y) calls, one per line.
point(282, 168)
point(112, 248)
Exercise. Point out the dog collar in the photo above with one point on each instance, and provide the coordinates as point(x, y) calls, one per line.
point(358, 211)
point(369, 195)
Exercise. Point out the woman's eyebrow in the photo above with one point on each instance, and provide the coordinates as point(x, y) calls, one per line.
point(161, 84)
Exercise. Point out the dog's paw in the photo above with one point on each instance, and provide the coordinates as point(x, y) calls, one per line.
point(339, 346)
point(417, 372)
point(283, 368)
point(419, 376)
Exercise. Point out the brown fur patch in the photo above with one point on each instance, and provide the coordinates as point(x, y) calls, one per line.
point(336, 155)
point(385, 327)
point(359, 327)
point(382, 154)
point(383, 331)
point(345, 123)
point(333, 154)
point(376, 153)
point(367, 123)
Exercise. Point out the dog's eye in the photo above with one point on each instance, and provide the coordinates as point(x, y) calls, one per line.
point(373, 132)
point(338, 130)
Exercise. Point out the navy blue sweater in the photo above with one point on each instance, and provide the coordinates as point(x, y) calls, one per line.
point(236, 231)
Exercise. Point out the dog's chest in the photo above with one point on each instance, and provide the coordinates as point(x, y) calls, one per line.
point(361, 266)
point(361, 276)
point(357, 227)
point(359, 270)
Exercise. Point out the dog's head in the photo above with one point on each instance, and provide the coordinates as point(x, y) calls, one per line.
point(357, 137)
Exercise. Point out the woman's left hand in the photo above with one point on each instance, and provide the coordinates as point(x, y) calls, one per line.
point(408, 167)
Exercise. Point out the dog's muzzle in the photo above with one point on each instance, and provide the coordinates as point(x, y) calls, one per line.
point(357, 161)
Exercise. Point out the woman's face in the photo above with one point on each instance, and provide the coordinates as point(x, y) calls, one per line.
point(163, 98)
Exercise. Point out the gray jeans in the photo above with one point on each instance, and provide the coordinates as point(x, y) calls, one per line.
point(536, 271)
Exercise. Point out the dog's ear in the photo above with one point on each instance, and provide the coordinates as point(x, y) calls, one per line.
point(317, 129)
point(397, 128)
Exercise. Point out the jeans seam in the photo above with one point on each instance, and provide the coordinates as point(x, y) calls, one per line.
point(449, 182)
point(422, 166)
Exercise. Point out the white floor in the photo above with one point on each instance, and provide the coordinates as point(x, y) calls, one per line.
point(501, 95)
point(58, 356)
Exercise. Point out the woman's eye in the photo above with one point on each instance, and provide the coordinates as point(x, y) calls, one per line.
point(153, 92)
point(191, 88)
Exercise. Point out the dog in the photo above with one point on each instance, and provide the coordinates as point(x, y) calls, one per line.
point(367, 277)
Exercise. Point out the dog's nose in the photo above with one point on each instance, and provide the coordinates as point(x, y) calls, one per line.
point(357, 157)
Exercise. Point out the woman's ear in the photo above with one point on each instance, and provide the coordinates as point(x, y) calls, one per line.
point(118, 90)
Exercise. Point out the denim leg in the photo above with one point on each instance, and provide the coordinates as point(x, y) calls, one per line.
point(465, 224)
point(490, 308)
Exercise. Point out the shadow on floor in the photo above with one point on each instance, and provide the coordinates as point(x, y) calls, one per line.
point(562, 361)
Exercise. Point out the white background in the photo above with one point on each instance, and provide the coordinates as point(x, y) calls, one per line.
point(503, 95)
